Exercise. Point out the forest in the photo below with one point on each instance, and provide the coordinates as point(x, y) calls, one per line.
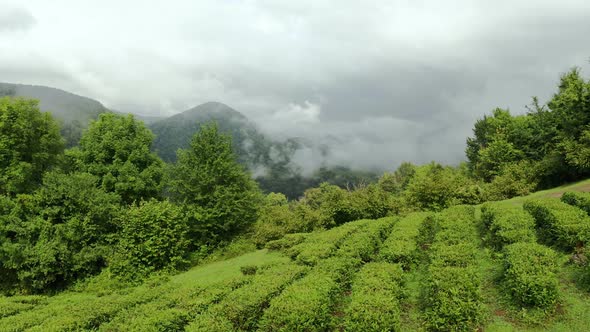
point(108, 212)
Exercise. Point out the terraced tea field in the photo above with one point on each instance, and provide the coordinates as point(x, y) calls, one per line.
point(498, 267)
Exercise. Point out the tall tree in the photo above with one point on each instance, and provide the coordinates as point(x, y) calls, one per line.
point(30, 144)
point(117, 149)
point(219, 194)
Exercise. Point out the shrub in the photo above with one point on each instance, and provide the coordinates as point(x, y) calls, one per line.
point(275, 219)
point(453, 298)
point(559, 224)
point(288, 241)
point(530, 272)
point(60, 233)
point(307, 304)
point(581, 200)
point(375, 299)
point(243, 307)
point(248, 270)
point(321, 245)
point(153, 237)
point(454, 301)
point(400, 246)
point(507, 225)
point(364, 243)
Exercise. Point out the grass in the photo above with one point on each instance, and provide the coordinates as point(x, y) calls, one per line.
point(556, 192)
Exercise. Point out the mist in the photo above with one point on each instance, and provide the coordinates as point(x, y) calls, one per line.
point(367, 86)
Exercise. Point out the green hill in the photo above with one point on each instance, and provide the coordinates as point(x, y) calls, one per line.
point(498, 267)
point(175, 132)
point(64, 105)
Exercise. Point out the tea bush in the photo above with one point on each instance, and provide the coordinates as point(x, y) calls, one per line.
point(558, 223)
point(530, 272)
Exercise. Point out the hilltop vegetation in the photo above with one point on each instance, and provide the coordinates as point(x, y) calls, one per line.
point(92, 235)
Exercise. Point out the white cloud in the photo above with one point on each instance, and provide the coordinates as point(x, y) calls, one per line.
point(349, 70)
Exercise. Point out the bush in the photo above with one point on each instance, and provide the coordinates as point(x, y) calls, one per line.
point(59, 234)
point(559, 224)
point(506, 225)
point(243, 307)
point(514, 179)
point(275, 219)
point(321, 245)
point(454, 301)
point(530, 272)
point(307, 304)
point(581, 200)
point(288, 241)
point(401, 245)
point(248, 270)
point(453, 298)
point(364, 243)
point(153, 237)
point(375, 299)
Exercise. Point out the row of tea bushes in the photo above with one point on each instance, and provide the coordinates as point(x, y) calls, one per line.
point(321, 245)
point(79, 311)
point(581, 200)
point(453, 299)
point(401, 245)
point(506, 225)
point(374, 301)
point(307, 304)
point(241, 309)
point(364, 243)
point(530, 269)
point(559, 224)
point(171, 311)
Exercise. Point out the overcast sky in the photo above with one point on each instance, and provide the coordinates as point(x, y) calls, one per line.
point(381, 81)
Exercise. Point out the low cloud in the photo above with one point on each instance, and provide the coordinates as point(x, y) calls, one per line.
point(370, 85)
point(15, 19)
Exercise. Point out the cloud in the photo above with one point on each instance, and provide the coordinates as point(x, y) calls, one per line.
point(15, 19)
point(379, 82)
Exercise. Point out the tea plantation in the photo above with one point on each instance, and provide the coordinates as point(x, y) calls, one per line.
point(495, 267)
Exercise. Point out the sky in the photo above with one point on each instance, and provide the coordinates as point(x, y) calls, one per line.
point(380, 82)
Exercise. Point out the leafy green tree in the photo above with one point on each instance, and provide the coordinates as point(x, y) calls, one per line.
point(61, 232)
point(492, 158)
point(220, 195)
point(485, 131)
point(30, 144)
point(153, 236)
point(276, 218)
point(116, 148)
point(436, 187)
point(514, 179)
point(397, 181)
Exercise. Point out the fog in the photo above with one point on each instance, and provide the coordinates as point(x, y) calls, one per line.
point(377, 82)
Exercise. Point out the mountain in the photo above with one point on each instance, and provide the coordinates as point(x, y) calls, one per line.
point(65, 106)
point(177, 131)
point(72, 111)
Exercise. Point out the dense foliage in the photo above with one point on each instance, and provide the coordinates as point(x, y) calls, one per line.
point(116, 148)
point(549, 144)
point(219, 195)
point(30, 144)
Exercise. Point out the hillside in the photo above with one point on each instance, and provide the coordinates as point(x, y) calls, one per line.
point(175, 132)
point(464, 268)
point(64, 105)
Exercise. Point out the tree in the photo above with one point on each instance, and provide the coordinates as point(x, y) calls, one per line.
point(397, 181)
point(116, 148)
point(30, 144)
point(219, 194)
point(60, 233)
point(436, 187)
